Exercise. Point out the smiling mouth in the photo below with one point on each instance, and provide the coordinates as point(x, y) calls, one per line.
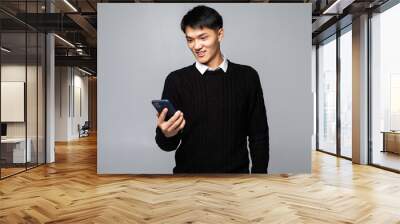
point(201, 54)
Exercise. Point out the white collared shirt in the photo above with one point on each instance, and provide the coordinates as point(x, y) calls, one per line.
point(203, 68)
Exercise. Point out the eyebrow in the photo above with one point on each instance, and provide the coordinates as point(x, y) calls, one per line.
point(201, 35)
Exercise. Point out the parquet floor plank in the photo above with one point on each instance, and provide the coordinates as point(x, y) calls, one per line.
point(70, 191)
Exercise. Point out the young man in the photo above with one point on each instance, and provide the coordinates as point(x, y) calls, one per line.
point(219, 103)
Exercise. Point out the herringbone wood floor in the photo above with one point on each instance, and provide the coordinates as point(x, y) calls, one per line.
point(70, 191)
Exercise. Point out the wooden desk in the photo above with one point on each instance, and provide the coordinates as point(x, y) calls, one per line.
point(391, 141)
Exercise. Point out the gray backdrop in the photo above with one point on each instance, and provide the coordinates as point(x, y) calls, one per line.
point(139, 44)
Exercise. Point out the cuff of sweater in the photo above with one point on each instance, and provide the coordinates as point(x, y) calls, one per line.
point(166, 143)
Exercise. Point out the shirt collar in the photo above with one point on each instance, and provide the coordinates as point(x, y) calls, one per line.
point(203, 68)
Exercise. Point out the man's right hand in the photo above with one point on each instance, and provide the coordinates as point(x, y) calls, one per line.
point(171, 127)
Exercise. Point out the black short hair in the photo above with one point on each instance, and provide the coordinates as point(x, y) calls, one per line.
point(202, 16)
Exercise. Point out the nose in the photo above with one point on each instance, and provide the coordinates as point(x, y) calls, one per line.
point(197, 45)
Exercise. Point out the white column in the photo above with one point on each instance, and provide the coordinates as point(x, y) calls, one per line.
point(50, 79)
point(50, 91)
point(360, 90)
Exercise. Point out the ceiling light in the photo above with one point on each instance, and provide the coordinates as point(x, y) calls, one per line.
point(65, 41)
point(5, 50)
point(86, 72)
point(329, 9)
point(70, 5)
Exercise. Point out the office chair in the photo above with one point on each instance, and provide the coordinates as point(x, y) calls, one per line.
point(84, 130)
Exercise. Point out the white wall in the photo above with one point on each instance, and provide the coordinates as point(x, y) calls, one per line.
point(62, 81)
point(67, 117)
point(80, 83)
point(15, 72)
point(12, 73)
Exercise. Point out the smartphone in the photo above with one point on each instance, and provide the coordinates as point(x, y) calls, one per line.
point(161, 104)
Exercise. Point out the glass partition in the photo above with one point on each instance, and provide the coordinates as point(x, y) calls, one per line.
point(327, 95)
point(22, 89)
point(14, 154)
point(32, 95)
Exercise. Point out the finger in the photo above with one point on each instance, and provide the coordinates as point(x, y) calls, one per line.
point(161, 118)
point(182, 125)
point(172, 120)
point(162, 115)
point(176, 124)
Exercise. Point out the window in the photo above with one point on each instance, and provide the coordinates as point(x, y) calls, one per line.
point(346, 92)
point(385, 89)
point(327, 95)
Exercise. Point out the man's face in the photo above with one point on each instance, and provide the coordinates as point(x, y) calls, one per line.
point(204, 43)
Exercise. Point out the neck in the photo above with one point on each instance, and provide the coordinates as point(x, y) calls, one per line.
point(216, 61)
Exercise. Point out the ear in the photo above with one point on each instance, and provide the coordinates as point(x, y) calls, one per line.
point(220, 34)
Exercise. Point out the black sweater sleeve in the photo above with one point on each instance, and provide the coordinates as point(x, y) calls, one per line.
point(169, 92)
point(258, 132)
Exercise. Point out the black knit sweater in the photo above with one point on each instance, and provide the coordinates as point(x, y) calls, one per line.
point(221, 110)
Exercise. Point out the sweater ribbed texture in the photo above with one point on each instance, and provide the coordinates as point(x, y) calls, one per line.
point(221, 110)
